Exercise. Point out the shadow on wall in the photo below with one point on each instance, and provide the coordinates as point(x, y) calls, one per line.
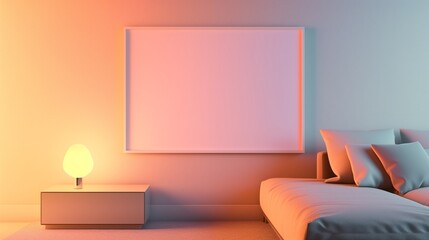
point(311, 134)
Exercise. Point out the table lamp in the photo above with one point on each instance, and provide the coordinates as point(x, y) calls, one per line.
point(78, 163)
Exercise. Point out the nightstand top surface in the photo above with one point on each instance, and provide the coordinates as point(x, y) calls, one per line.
point(98, 188)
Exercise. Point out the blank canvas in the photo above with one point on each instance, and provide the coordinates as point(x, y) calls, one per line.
point(214, 90)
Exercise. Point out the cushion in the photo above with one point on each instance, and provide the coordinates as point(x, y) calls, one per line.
point(335, 142)
point(409, 135)
point(420, 195)
point(367, 168)
point(407, 165)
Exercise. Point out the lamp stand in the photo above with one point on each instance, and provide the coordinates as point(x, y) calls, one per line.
point(78, 183)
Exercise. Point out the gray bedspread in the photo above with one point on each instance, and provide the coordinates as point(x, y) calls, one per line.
point(311, 209)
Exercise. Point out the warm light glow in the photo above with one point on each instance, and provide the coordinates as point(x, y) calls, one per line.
point(78, 161)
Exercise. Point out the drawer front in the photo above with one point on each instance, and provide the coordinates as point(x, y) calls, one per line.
point(92, 208)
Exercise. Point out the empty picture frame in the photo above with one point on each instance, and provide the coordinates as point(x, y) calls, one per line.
point(214, 89)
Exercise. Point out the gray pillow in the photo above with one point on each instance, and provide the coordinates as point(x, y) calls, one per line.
point(411, 135)
point(367, 168)
point(407, 165)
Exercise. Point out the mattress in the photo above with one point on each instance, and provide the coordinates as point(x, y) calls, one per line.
point(311, 209)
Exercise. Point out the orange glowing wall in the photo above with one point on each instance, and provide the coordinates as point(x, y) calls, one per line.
point(62, 82)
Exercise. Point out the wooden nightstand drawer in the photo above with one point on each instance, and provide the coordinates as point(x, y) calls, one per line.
point(95, 205)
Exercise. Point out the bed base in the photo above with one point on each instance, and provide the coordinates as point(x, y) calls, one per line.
point(267, 221)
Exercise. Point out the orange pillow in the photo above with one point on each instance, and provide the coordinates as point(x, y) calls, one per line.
point(336, 141)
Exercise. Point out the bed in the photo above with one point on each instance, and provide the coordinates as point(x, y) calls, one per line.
point(311, 209)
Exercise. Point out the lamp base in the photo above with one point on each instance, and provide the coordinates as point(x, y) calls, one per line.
point(78, 183)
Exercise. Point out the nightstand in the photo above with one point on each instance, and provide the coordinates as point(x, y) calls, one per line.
point(95, 206)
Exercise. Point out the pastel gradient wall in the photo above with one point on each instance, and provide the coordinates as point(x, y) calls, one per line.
point(62, 82)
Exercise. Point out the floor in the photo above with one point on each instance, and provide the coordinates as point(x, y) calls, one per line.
point(9, 228)
point(234, 230)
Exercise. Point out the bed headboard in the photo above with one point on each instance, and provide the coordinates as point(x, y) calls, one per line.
point(324, 170)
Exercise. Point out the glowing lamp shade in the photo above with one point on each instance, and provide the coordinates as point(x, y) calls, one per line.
point(78, 163)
